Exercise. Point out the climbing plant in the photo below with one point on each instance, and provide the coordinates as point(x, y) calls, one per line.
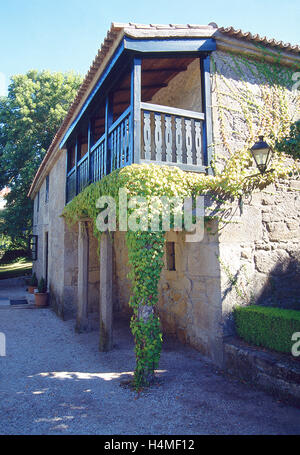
point(266, 112)
point(290, 145)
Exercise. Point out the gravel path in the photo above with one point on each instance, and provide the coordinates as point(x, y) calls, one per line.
point(54, 381)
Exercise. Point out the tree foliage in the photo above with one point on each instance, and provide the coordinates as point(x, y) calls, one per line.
point(30, 115)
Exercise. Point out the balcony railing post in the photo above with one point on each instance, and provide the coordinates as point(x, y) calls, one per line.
point(206, 108)
point(136, 109)
point(76, 163)
point(67, 182)
point(108, 123)
point(89, 151)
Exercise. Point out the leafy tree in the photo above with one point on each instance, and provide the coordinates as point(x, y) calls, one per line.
point(30, 115)
point(291, 145)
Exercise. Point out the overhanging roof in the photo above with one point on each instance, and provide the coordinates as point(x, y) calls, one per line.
point(142, 31)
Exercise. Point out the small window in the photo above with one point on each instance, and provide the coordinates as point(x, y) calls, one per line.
point(38, 202)
point(33, 246)
point(47, 190)
point(170, 255)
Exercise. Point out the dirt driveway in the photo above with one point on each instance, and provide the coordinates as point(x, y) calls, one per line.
point(54, 381)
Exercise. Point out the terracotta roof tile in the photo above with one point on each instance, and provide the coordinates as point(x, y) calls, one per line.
point(257, 38)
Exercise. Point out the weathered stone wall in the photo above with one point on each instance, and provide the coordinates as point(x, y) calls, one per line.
point(189, 298)
point(249, 98)
point(259, 248)
point(70, 273)
point(121, 283)
point(48, 220)
point(183, 91)
point(274, 372)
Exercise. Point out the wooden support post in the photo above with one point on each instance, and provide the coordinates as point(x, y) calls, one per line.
point(136, 81)
point(67, 170)
point(108, 122)
point(89, 150)
point(206, 108)
point(106, 342)
point(76, 163)
point(83, 277)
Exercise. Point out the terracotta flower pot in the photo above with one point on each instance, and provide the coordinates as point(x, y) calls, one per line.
point(31, 289)
point(41, 299)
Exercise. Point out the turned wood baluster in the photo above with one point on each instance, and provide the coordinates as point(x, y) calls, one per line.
point(147, 135)
point(178, 139)
point(198, 143)
point(158, 137)
point(168, 137)
point(188, 141)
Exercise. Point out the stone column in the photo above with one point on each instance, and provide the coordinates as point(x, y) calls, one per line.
point(105, 343)
point(83, 277)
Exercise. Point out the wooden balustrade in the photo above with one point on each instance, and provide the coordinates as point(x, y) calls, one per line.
point(119, 141)
point(168, 136)
point(83, 174)
point(98, 160)
point(71, 185)
point(172, 136)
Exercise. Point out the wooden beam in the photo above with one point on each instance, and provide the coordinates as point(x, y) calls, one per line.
point(172, 111)
point(108, 123)
point(83, 274)
point(164, 70)
point(182, 166)
point(90, 139)
point(106, 301)
point(121, 103)
point(117, 54)
point(76, 164)
point(67, 162)
point(206, 108)
point(144, 87)
point(136, 78)
point(170, 45)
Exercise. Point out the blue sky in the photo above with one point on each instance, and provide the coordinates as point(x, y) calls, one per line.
point(62, 35)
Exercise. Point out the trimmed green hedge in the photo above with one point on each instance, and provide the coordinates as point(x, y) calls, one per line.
point(267, 326)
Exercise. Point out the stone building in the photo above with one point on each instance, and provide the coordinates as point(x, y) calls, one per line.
point(180, 96)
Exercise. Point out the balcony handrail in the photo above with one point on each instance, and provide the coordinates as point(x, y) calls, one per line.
point(71, 171)
point(100, 140)
point(172, 111)
point(119, 120)
point(83, 158)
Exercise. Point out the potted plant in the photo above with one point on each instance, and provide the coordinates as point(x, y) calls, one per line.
point(32, 284)
point(41, 296)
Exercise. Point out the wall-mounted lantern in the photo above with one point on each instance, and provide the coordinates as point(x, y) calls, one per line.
point(261, 153)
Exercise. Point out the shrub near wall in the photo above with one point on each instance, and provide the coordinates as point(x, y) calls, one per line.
point(12, 255)
point(269, 327)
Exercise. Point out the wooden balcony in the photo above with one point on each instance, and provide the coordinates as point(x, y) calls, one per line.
point(122, 125)
point(168, 136)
